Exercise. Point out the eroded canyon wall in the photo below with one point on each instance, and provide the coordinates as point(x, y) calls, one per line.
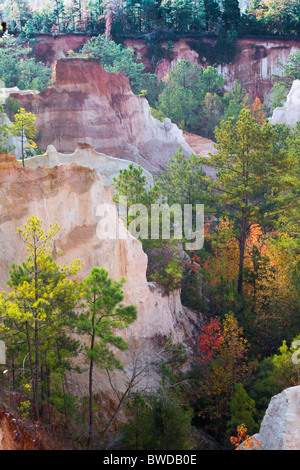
point(108, 167)
point(51, 47)
point(254, 62)
point(71, 195)
point(88, 105)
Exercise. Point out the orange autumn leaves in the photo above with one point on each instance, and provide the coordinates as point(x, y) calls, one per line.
point(223, 263)
point(243, 441)
point(225, 260)
point(268, 264)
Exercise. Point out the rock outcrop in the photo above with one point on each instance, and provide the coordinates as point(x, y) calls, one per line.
point(255, 60)
point(108, 167)
point(289, 113)
point(71, 195)
point(50, 47)
point(86, 104)
point(8, 161)
point(280, 428)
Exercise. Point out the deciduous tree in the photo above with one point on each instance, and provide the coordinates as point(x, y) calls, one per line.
point(39, 307)
point(24, 129)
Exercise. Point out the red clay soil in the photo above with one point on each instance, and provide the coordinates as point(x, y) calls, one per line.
point(13, 436)
point(200, 145)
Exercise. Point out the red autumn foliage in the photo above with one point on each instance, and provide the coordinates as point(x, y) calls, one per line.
point(209, 340)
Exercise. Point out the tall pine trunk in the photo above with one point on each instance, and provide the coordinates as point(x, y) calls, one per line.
point(91, 414)
point(242, 248)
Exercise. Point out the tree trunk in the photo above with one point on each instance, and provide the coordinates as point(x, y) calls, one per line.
point(36, 340)
point(22, 140)
point(242, 247)
point(91, 415)
point(32, 375)
point(36, 343)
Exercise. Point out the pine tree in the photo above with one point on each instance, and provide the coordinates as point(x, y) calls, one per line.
point(231, 15)
point(251, 177)
point(242, 410)
point(103, 314)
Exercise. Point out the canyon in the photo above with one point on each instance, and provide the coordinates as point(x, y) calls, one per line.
point(71, 194)
point(88, 105)
point(254, 62)
point(92, 126)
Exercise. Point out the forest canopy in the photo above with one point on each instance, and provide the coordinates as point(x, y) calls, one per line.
point(256, 17)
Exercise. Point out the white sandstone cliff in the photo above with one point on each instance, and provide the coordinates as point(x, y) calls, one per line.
point(289, 113)
point(280, 428)
point(108, 167)
point(70, 195)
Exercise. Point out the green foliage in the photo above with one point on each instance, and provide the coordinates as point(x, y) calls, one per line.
point(24, 129)
point(220, 52)
point(158, 114)
point(103, 314)
point(290, 71)
point(16, 13)
point(231, 15)
point(131, 189)
point(242, 410)
point(169, 274)
point(274, 374)
point(157, 424)
point(17, 69)
point(115, 58)
point(275, 17)
point(156, 52)
point(289, 215)
point(38, 311)
point(291, 68)
point(158, 19)
point(24, 409)
point(162, 420)
point(257, 182)
point(235, 100)
point(132, 184)
point(137, 433)
point(178, 104)
point(279, 94)
point(41, 21)
point(212, 14)
point(184, 181)
point(11, 106)
point(194, 99)
point(5, 132)
point(247, 172)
